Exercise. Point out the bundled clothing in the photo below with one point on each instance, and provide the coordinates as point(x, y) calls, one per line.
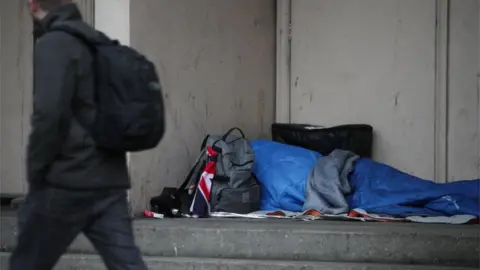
point(328, 183)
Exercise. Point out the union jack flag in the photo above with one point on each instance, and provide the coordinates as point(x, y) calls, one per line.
point(201, 201)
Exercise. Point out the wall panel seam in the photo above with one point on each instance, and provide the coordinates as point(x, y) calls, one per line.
point(441, 91)
point(283, 62)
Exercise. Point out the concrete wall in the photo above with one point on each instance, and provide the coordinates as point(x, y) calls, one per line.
point(463, 91)
point(115, 24)
point(87, 7)
point(407, 67)
point(15, 95)
point(217, 63)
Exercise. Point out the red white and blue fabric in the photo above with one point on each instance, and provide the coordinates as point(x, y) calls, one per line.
point(201, 201)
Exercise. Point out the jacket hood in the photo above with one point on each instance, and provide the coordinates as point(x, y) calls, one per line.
point(70, 15)
point(67, 12)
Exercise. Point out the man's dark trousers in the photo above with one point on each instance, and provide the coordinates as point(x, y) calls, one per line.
point(51, 219)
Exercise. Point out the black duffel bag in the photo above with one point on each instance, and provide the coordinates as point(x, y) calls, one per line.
point(356, 138)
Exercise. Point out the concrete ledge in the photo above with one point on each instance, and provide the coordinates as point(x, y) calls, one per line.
point(387, 243)
point(93, 262)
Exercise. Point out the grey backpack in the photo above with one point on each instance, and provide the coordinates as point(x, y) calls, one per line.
point(234, 188)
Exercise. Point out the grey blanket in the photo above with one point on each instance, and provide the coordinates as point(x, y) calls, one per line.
point(328, 183)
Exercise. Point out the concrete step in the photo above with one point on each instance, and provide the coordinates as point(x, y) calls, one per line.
point(93, 262)
point(388, 243)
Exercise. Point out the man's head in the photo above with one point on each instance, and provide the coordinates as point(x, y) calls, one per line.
point(40, 8)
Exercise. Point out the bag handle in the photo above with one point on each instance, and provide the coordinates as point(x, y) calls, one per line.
point(231, 131)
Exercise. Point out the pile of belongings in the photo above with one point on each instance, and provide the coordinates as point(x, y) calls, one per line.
point(221, 180)
point(309, 173)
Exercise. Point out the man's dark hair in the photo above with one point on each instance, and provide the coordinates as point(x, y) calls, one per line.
point(49, 5)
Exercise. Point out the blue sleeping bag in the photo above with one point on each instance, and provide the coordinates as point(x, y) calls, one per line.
point(379, 188)
point(283, 171)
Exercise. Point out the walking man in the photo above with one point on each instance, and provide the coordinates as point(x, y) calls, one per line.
point(74, 185)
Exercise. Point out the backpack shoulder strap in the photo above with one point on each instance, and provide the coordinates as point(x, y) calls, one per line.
point(72, 31)
point(90, 41)
point(188, 179)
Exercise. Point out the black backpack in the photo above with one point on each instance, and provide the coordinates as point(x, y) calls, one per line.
point(130, 107)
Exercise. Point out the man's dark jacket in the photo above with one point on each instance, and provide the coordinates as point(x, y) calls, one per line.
point(61, 153)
